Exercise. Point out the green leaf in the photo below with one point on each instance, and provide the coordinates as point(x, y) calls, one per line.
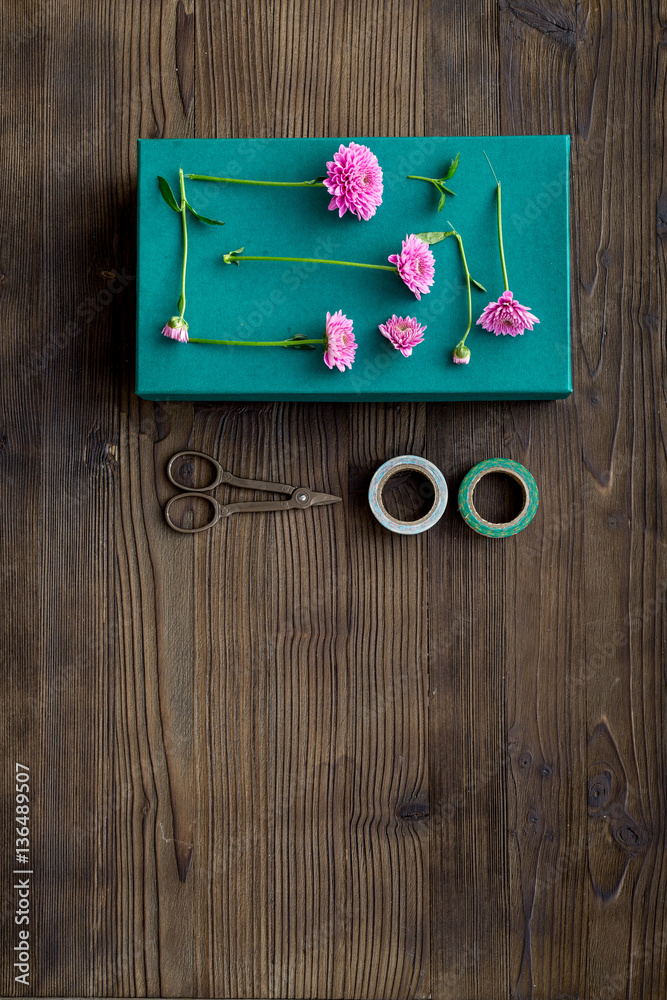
point(300, 347)
point(432, 238)
point(231, 257)
point(477, 284)
point(167, 194)
point(441, 203)
point(453, 166)
point(203, 218)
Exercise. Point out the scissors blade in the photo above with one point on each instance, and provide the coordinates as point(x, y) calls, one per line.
point(319, 499)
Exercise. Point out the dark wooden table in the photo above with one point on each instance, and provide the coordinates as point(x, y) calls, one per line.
point(301, 756)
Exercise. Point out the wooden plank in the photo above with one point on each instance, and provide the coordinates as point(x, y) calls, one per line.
point(578, 854)
point(621, 414)
point(606, 860)
point(466, 599)
point(154, 808)
point(388, 781)
point(312, 657)
point(546, 726)
point(103, 734)
point(21, 362)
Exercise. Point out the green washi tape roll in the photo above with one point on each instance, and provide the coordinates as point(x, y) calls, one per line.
point(531, 498)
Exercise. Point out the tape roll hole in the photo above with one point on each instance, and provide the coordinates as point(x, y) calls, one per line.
point(408, 495)
point(499, 498)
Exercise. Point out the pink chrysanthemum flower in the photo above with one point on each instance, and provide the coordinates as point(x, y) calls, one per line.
point(339, 342)
point(506, 316)
point(415, 265)
point(354, 179)
point(403, 333)
point(177, 329)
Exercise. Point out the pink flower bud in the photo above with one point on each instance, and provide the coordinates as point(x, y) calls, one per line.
point(176, 329)
point(461, 355)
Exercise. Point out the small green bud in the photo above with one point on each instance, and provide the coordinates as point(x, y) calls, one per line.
point(176, 322)
point(461, 355)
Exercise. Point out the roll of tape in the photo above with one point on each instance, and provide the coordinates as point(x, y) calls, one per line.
point(408, 463)
point(531, 498)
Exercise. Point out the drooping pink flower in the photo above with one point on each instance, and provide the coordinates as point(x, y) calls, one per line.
point(507, 316)
point(177, 329)
point(403, 332)
point(416, 265)
point(354, 179)
point(461, 355)
point(339, 342)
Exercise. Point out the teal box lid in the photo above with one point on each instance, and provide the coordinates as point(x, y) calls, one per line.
point(261, 300)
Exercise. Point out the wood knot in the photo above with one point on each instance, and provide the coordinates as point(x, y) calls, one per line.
point(628, 836)
point(99, 453)
point(600, 789)
point(525, 758)
point(661, 217)
point(543, 18)
point(185, 55)
point(414, 811)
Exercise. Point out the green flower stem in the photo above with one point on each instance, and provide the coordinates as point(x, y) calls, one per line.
point(500, 239)
point(183, 208)
point(500, 224)
point(431, 180)
point(469, 280)
point(465, 268)
point(255, 343)
point(317, 260)
point(237, 180)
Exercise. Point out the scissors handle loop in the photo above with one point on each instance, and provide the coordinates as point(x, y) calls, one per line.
point(219, 472)
point(217, 511)
point(221, 476)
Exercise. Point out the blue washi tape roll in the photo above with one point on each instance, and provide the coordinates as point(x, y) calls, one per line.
point(408, 463)
point(469, 512)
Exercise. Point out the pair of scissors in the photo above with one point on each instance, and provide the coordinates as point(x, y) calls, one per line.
point(298, 496)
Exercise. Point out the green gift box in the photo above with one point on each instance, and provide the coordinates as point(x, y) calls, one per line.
point(272, 300)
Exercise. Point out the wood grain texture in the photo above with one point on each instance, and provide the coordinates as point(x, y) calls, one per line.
point(326, 846)
point(299, 756)
point(579, 602)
